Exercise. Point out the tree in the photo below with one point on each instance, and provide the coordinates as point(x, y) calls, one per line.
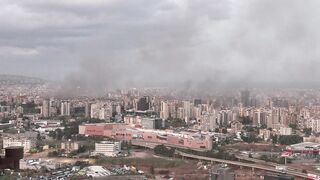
point(82, 149)
point(307, 131)
point(53, 134)
point(249, 138)
point(5, 120)
point(249, 129)
point(264, 157)
point(39, 142)
point(152, 170)
point(263, 126)
point(246, 120)
point(274, 138)
point(39, 138)
point(175, 122)
point(224, 131)
point(290, 139)
point(53, 154)
point(163, 150)
point(59, 134)
point(304, 171)
point(293, 126)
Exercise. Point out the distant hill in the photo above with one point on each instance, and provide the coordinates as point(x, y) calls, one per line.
point(6, 79)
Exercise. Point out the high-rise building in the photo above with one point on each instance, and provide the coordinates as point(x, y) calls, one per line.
point(245, 98)
point(187, 110)
point(143, 104)
point(196, 102)
point(164, 113)
point(101, 110)
point(65, 108)
point(180, 113)
point(94, 110)
point(207, 121)
point(172, 110)
point(257, 118)
point(45, 108)
point(314, 124)
point(87, 110)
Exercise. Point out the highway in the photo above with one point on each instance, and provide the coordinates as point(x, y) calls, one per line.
point(255, 166)
point(263, 165)
point(270, 163)
point(152, 145)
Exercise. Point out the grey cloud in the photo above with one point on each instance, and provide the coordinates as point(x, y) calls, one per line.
point(111, 44)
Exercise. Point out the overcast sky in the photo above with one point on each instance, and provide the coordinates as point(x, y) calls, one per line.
point(117, 42)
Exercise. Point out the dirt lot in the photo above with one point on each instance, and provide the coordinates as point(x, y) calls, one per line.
point(176, 168)
point(43, 156)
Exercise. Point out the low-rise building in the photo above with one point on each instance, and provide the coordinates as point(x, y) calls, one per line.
point(286, 131)
point(191, 139)
point(107, 148)
point(9, 142)
point(151, 123)
point(69, 146)
point(264, 134)
point(314, 139)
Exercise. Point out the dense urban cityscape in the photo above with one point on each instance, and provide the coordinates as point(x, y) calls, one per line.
point(154, 133)
point(159, 89)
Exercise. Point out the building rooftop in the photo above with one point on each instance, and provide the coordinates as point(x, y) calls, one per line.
point(305, 145)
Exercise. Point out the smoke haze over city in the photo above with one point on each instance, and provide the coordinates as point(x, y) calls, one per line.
point(159, 89)
point(118, 43)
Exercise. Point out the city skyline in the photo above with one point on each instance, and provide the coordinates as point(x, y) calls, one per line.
point(159, 89)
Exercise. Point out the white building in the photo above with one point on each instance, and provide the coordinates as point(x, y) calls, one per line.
point(264, 134)
point(207, 121)
point(164, 114)
point(26, 143)
point(285, 131)
point(314, 124)
point(69, 146)
point(45, 108)
point(65, 108)
point(187, 110)
point(107, 148)
point(101, 110)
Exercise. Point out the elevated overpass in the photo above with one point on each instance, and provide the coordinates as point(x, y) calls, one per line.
point(272, 164)
point(260, 164)
point(242, 164)
point(152, 145)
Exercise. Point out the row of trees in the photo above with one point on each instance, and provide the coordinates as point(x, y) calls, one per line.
point(164, 151)
point(286, 140)
point(250, 137)
point(175, 122)
point(275, 159)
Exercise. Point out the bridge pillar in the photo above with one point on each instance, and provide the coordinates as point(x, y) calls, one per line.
point(241, 167)
point(252, 170)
